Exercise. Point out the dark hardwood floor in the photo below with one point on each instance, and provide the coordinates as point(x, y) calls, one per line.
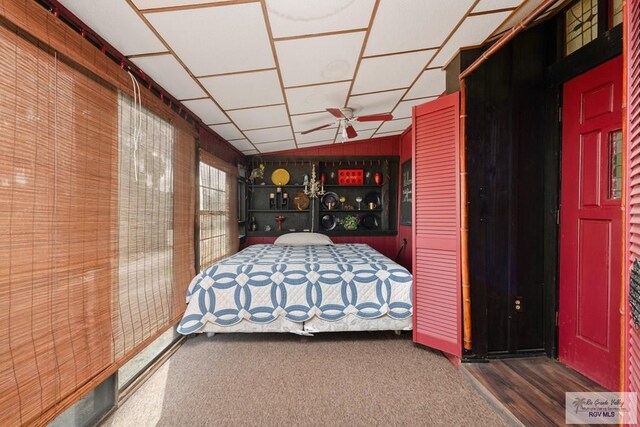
point(528, 390)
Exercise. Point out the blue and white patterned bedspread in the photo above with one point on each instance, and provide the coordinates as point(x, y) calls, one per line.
point(263, 282)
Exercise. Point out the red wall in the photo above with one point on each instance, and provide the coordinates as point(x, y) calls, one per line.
point(388, 146)
point(405, 231)
point(219, 147)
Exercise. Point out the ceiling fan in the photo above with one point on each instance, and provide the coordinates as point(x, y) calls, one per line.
point(346, 118)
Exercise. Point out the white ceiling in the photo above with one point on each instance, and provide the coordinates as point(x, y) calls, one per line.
point(259, 72)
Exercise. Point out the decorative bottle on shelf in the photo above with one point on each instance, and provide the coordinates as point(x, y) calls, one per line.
point(378, 178)
point(272, 201)
point(253, 226)
point(285, 201)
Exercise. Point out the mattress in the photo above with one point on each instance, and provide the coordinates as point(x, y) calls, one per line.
point(297, 284)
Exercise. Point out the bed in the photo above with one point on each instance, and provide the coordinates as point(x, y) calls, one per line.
point(301, 289)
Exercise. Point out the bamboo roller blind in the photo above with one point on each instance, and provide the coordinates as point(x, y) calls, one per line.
point(94, 258)
point(58, 142)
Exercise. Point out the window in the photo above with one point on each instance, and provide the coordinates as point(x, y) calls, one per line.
point(585, 20)
point(615, 164)
point(138, 364)
point(218, 210)
point(89, 410)
point(581, 24)
point(616, 12)
point(242, 208)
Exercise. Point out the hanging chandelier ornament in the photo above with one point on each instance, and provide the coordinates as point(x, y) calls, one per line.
point(314, 188)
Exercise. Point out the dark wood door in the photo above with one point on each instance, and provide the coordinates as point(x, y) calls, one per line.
point(590, 224)
point(436, 213)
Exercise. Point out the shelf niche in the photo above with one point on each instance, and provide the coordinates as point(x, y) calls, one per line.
point(301, 220)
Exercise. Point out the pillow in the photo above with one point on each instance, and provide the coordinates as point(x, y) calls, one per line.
point(303, 239)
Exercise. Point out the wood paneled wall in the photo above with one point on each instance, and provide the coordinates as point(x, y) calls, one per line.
point(220, 148)
point(510, 162)
point(387, 146)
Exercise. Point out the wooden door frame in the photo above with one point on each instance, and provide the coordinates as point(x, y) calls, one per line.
point(604, 48)
point(562, 69)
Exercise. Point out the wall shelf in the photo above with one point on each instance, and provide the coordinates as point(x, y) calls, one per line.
point(337, 186)
point(254, 186)
point(353, 211)
point(386, 213)
point(279, 210)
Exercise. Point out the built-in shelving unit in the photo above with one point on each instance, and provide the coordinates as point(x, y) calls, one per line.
point(311, 218)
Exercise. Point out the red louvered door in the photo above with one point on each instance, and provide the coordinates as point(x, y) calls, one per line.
point(632, 52)
point(436, 228)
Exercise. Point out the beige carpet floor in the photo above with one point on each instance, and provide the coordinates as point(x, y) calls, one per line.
point(331, 379)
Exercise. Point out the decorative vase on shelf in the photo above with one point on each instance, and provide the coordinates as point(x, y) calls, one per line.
point(280, 219)
point(378, 178)
point(350, 222)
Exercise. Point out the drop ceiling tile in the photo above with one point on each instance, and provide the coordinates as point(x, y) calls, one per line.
point(430, 83)
point(360, 126)
point(250, 152)
point(395, 125)
point(242, 144)
point(152, 4)
point(270, 147)
point(228, 131)
point(260, 117)
point(473, 32)
point(305, 122)
point(403, 25)
point(365, 134)
point(487, 5)
point(522, 12)
point(261, 136)
point(313, 99)
point(117, 23)
point(245, 90)
point(169, 74)
point(404, 108)
point(319, 59)
point(216, 40)
point(390, 72)
point(375, 103)
point(294, 17)
point(326, 135)
point(207, 110)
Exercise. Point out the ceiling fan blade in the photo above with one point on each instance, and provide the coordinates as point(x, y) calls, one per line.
point(335, 112)
point(351, 132)
point(315, 129)
point(375, 118)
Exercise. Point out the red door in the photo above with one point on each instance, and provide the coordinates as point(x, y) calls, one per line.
point(590, 224)
point(436, 225)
